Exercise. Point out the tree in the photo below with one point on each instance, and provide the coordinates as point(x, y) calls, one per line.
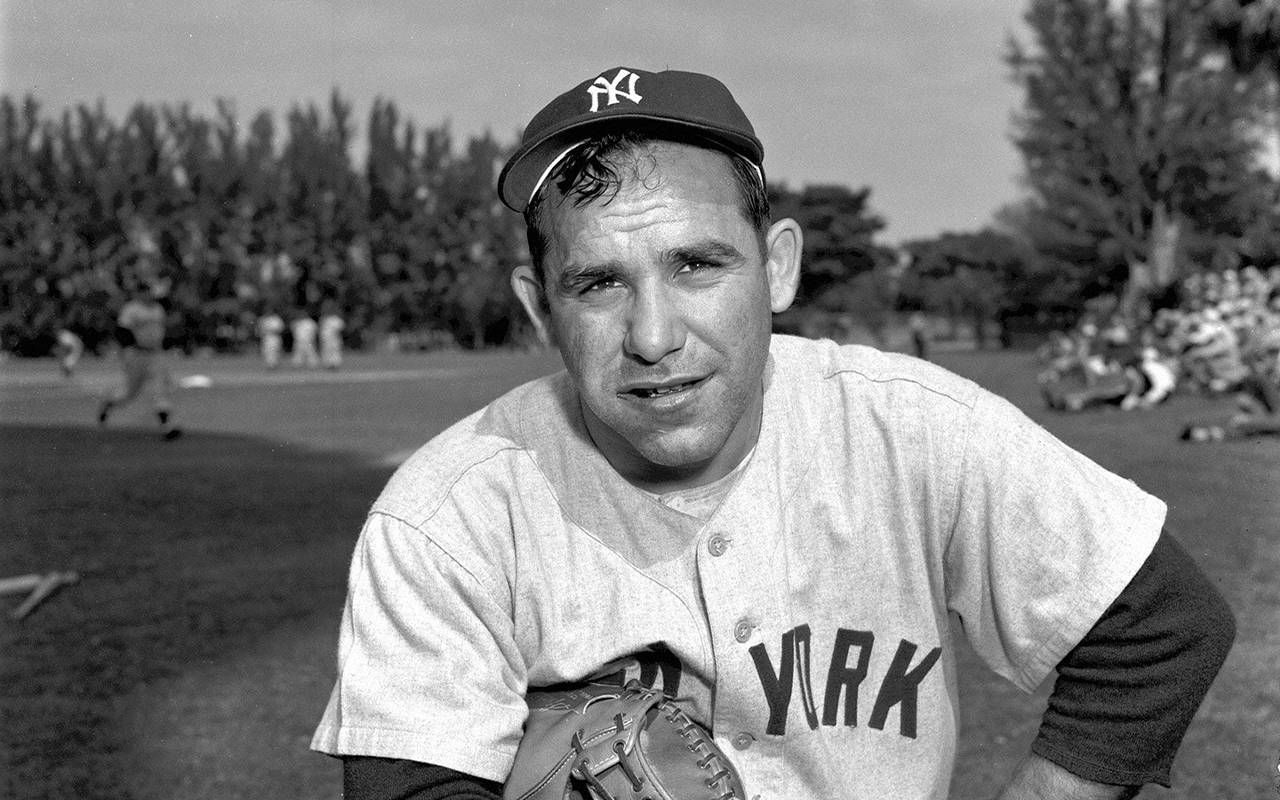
point(977, 277)
point(1250, 32)
point(845, 280)
point(1135, 139)
point(839, 232)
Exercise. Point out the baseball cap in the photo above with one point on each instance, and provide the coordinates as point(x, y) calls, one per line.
point(688, 101)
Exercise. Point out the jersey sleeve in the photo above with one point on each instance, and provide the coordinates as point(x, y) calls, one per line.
point(1044, 540)
point(428, 669)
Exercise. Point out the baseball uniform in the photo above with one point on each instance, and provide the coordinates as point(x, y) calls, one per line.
point(271, 332)
point(145, 320)
point(142, 359)
point(331, 326)
point(800, 609)
point(303, 328)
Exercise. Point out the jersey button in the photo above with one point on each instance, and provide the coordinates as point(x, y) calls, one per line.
point(717, 545)
point(742, 631)
point(743, 740)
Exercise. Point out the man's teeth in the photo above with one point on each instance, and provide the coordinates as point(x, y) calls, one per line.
point(658, 391)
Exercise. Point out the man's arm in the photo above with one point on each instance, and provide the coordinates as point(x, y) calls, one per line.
point(369, 778)
point(1038, 778)
point(1127, 692)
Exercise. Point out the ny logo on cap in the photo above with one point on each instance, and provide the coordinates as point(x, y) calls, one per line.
point(603, 86)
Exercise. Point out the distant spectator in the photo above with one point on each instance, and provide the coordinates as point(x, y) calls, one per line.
point(303, 328)
point(1151, 381)
point(1212, 353)
point(1258, 398)
point(271, 337)
point(331, 326)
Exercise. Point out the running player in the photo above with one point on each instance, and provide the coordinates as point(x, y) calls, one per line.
point(140, 331)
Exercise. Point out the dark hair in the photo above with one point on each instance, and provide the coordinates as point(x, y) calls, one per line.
point(598, 168)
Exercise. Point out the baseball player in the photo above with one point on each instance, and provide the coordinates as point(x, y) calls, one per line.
point(303, 327)
point(331, 327)
point(271, 337)
point(140, 329)
point(68, 348)
point(772, 530)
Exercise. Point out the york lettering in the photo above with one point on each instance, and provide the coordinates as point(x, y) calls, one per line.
point(846, 673)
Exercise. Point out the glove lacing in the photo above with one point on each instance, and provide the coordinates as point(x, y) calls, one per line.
point(697, 743)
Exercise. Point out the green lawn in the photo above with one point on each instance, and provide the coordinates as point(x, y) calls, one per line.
point(193, 658)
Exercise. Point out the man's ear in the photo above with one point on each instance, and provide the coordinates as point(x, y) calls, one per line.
point(783, 246)
point(528, 289)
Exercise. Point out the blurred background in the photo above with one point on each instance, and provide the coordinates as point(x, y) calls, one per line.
point(998, 166)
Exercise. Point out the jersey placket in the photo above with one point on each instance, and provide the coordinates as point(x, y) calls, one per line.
point(740, 588)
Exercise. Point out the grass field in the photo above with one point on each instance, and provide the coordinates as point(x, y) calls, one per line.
point(193, 658)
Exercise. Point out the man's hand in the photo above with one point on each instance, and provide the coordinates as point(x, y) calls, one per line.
point(1037, 778)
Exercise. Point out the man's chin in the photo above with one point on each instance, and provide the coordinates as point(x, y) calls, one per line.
point(678, 454)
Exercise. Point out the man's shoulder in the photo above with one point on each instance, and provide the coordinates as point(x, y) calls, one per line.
point(867, 370)
point(482, 452)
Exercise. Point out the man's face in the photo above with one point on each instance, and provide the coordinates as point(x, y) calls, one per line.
point(660, 302)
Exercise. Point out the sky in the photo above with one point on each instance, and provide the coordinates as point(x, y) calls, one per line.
point(908, 97)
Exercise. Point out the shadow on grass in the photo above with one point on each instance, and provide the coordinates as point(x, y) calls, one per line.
point(190, 552)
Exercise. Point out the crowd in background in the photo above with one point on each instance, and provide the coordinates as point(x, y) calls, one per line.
point(1222, 335)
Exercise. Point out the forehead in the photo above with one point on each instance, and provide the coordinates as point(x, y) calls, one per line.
point(665, 188)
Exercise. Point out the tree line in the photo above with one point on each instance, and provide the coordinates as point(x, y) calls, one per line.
point(1141, 129)
point(238, 218)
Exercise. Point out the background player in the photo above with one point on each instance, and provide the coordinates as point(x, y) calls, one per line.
point(68, 348)
point(271, 337)
point(772, 529)
point(303, 329)
point(140, 331)
point(331, 327)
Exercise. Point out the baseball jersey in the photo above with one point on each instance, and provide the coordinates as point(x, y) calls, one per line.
point(270, 326)
point(805, 621)
point(145, 320)
point(331, 326)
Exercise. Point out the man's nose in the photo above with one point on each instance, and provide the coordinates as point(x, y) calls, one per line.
point(655, 328)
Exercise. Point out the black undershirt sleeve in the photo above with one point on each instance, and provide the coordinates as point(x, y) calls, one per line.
point(370, 778)
point(1125, 695)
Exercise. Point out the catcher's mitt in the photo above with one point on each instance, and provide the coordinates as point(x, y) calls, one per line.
point(611, 743)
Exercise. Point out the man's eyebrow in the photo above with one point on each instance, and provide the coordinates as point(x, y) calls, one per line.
point(708, 250)
point(575, 275)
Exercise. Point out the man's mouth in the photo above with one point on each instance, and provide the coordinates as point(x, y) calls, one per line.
point(650, 392)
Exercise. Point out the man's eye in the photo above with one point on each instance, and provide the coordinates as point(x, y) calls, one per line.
point(698, 266)
point(598, 285)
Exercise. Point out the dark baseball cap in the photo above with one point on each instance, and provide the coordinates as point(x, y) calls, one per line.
point(686, 101)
